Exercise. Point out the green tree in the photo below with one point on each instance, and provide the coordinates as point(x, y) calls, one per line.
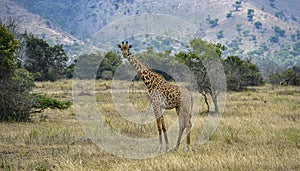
point(250, 14)
point(213, 23)
point(229, 14)
point(279, 32)
point(274, 39)
point(258, 24)
point(241, 74)
point(199, 60)
point(290, 76)
point(95, 66)
point(220, 34)
point(238, 5)
point(17, 103)
point(109, 64)
point(8, 48)
point(45, 62)
point(86, 66)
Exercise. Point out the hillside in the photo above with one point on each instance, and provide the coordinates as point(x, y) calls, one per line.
point(36, 24)
point(253, 29)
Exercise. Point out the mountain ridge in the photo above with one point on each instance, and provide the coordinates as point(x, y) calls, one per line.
point(231, 23)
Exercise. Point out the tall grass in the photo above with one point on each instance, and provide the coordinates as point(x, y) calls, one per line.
point(259, 130)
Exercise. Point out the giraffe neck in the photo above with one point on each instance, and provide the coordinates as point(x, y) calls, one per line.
point(138, 65)
point(147, 75)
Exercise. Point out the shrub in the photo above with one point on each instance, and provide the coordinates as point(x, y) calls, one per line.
point(16, 102)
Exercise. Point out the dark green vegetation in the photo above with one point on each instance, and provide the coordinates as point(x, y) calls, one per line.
point(45, 62)
point(16, 82)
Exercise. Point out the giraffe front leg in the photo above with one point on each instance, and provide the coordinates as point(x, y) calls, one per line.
point(181, 127)
point(159, 127)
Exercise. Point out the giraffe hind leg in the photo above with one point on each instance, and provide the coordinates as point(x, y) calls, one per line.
point(188, 130)
point(181, 129)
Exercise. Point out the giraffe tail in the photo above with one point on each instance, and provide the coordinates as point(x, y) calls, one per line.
point(192, 103)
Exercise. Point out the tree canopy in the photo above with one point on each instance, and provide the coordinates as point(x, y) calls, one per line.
point(45, 62)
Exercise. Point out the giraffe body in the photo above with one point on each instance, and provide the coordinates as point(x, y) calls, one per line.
point(163, 95)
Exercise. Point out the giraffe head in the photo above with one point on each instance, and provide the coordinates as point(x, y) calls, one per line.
point(125, 48)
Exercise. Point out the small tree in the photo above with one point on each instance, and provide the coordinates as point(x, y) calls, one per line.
point(220, 34)
point(229, 14)
point(274, 39)
point(199, 61)
point(238, 5)
point(241, 74)
point(258, 24)
point(290, 76)
point(279, 32)
point(109, 64)
point(250, 14)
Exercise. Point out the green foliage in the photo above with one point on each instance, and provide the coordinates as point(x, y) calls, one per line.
point(250, 14)
point(213, 22)
point(233, 46)
point(241, 74)
point(220, 34)
point(43, 102)
point(258, 24)
point(280, 14)
point(238, 5)
point(70, 71)
point(86, 65)
point(105, 66)
point(290, 76)
point(108, 65)
point(8, 47)
point(229, 14)
point(239, 27)
point(274, 39)
point(45, 62)
point(279, 32)
point(203, 53)
point(16, 102)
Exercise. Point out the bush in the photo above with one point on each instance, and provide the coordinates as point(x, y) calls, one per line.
point(16, 102)
point(290, 76)
point(241, 74)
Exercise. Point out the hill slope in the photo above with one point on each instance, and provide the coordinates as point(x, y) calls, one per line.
point(34, 23)
point(253, 29)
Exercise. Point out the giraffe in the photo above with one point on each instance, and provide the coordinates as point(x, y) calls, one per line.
point(163, 95)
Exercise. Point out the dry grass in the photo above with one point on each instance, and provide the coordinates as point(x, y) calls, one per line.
point(260, 130)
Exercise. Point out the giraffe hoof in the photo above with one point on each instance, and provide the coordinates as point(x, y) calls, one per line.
point(187, 148)
point(159, 148)
point(167, 148)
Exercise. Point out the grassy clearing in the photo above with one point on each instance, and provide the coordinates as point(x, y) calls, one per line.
point(259, 130)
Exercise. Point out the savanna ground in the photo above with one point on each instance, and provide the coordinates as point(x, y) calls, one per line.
point(259, 130)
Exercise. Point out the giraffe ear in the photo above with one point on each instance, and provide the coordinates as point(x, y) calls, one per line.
point(130, 46)
point(119, 46)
